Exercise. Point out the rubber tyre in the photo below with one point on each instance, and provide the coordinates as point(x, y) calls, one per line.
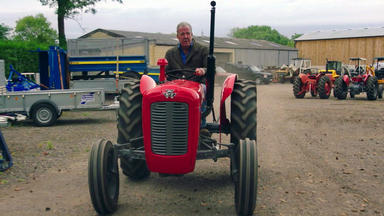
point(380, 91)
point(372, 87)
point(341, 89)
point(243, 111)
point(103, 177)
point(313, 94)
point(44, 115)
point(324, 87)
point(129, 125)
point(297, 87)
point(246, 178)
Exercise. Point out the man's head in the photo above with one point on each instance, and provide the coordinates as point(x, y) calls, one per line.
point(184, 34)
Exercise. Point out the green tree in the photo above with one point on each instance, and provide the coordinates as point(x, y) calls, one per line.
point(261, 33)
point(69, 9)
point(4, 31)
point(296, 35)
point(35, 28)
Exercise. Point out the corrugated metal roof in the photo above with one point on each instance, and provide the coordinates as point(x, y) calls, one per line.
point(220, 42)
point(345, 33)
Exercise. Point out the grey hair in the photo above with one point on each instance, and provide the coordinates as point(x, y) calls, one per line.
point(183, 24)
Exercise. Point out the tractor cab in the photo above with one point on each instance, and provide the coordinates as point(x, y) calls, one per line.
point(302, 65)
point(335, 68)
point(358, 68)
point(378, 64)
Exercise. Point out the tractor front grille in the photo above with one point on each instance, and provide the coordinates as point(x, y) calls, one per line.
point(169, 128)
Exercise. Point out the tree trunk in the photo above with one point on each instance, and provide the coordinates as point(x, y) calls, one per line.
point(60, 22)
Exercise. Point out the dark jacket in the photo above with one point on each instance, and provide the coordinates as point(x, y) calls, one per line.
point(197, 58)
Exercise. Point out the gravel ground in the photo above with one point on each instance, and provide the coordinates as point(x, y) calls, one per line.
point(316, 157)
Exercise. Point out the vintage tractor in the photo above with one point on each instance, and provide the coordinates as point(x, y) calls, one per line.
point(357, 80)
point(319, 83)
point(160, 130)
point(379, 73)
point(296, 67)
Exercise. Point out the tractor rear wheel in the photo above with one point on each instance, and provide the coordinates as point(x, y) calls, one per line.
point(380, 91)
point(243, 111)
point(324, 87)
point(129, 125)
point(297, 88)
point(103, 177)
point(372, 86)
point(341, 89)
point(246, 177)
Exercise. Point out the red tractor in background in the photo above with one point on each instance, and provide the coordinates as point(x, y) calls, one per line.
point(320, 83)
point(159, 130)
point(357, 80)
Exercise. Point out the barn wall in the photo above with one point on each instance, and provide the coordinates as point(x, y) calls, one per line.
point(341, 49)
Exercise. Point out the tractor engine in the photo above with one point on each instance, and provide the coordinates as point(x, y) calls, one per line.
point(171, 124)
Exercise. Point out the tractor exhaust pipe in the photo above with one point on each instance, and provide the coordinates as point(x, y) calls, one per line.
point(211, 68)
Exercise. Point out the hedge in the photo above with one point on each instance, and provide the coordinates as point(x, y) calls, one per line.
point(19, 54)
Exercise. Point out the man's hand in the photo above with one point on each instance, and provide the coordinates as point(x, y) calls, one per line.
point(200, 71)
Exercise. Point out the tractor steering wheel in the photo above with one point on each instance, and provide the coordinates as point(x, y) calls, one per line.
point(186, 74)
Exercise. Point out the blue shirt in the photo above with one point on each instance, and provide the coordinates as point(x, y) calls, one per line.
point(183, 56)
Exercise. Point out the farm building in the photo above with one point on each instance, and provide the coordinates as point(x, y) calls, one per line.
point(340, 45)
point(101, 42)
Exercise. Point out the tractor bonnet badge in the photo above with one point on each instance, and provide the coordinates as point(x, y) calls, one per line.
point(169, 93)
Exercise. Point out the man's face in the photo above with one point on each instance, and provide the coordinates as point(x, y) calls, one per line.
point(184, 35)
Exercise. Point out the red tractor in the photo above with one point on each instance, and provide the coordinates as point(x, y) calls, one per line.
point(356, 81)
point(319, 83)
point(159, 131)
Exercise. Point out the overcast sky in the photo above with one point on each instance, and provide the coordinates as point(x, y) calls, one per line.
point(286, 16)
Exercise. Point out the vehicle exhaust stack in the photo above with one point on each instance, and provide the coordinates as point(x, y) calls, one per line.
point(211, 68)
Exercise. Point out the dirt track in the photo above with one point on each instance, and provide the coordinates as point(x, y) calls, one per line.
point(317, 157)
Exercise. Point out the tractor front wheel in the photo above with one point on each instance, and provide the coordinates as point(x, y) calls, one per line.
point(372, 87)
point(246, 177)
point(103, 177)
point(298, 88)
point(129, 125)
point(325, 87)
point(341, 89)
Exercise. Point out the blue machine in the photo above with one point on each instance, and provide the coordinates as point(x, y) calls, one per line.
point(18, 82)
point(52, 68)
point(108, 66)
point(6, 159)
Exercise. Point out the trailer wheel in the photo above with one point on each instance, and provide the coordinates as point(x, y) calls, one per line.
point(341, 89)
point(325, 87)
point(380, 91)
point(103, 177)
point(298, 87)
point(129, 126)
point(44, 115)
point(246, 177)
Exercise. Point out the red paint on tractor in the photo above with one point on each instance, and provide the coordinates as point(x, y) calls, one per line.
point(188, 92)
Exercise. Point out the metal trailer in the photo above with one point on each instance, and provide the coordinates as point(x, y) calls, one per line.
point(107, 72)
point(45, 107)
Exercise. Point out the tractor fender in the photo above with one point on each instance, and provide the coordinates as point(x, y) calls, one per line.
point(43, 101)
point(225, 93)
point(365, 77)
point(346, 79)
point(146, 83)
